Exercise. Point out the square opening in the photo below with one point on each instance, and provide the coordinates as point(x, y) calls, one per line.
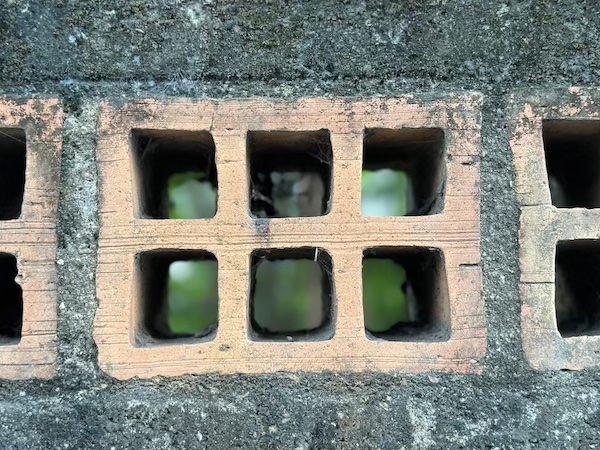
point(291, 295)
point(572, 150)
point(13, 152)
point(11, 303)
point(179, 296)
point(290, 173)
point(577, 288)
point(405, 294)
point(403, 172)
point(176, 174)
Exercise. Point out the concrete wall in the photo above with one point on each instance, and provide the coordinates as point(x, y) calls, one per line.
point(84, 51)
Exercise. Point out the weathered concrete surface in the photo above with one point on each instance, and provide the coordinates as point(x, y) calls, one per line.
point(86, 49)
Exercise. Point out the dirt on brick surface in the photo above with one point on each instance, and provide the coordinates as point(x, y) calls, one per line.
point(87, 50)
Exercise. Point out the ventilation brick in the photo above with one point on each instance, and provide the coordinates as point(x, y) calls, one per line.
point(30, 147)
point(234, 234)
point(550, 127)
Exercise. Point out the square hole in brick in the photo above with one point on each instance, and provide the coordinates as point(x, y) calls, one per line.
point(12, 172)
point(577, 288)
point(572, 150)
point(291, 295)
point(11, 301)
point(403, 172)
point(405, 294)
point(176, 174)
point(290, 173)
point(179, 296)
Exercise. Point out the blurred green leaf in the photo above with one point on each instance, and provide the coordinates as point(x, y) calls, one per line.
point(288, 295)
point(192, 296)
point(385, 192)
point(191, 196)
point(384, 302)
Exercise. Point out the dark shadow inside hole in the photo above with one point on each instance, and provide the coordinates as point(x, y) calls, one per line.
point(12, 172)
point(11, 307)
point(419, 152)
point(285, 304)
point(153, 268)
point(306, 153)
point(426, 276)
point(158, 154)
point(572, 150)
point(577, 288)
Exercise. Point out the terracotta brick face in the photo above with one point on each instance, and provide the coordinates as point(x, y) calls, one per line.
point(30, 146)
point(446, 237)
point(556, 147)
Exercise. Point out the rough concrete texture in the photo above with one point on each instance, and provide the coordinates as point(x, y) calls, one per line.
point(83, 50)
